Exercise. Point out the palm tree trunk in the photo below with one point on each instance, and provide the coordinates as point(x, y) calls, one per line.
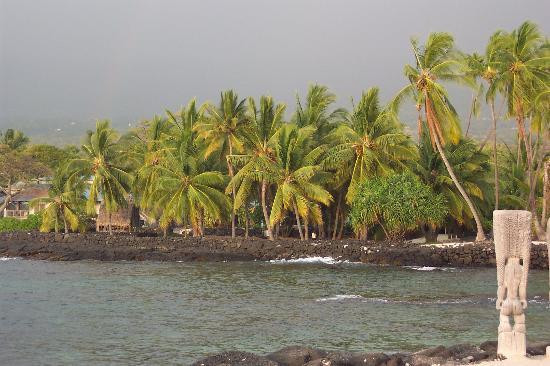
point(65, 224)
point(246, 219)
point(471, 113)
point(546, 191)
point(110, 225)
point(497, 187)
point(7, 199)
point(264, 210)
point(298, 222)
point(480, 234)
point(306, 228)
point(341, 225)
point(334, 232)
point(230, 169)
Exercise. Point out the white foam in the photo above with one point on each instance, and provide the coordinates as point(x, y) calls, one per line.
point(339, 298)
point(428, 269)
point(324, 260)
point(7, 258)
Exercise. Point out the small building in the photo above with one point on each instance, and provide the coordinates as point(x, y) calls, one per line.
point(19, 206)
point(125, 219)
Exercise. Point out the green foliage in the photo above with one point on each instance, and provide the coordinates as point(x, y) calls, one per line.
point(51, 156)
point(32, 222)
point(398, 203)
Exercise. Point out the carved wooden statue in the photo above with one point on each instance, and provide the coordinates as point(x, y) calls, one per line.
point(512, 235)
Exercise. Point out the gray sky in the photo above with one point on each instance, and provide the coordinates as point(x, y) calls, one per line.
point(67, 61)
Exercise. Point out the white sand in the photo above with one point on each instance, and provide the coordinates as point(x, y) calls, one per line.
point(522, 361)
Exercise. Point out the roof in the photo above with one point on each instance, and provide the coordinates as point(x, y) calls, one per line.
point(31, 192)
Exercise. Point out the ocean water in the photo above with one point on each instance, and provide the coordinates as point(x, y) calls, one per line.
point(120, 313)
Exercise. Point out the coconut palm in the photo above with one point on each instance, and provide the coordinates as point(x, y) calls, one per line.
point(182, 190)
point(471, 166)
point(265, 121)
point(487, 67)
point(315, 111)
point(370, 142)
point(102, 164)
point(526, 74)
point(438, 61)
point(65, 203)
point(294, 173)
point(221, 129)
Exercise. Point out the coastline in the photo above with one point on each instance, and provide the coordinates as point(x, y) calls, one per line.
point(132, 247)
point(462, 354)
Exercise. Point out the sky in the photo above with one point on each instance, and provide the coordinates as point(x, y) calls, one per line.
point(66, 63)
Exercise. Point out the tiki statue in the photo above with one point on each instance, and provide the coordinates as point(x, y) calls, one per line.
point(512, 235)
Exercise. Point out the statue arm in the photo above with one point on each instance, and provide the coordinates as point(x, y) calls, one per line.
point(526, 263)
point(501, 292)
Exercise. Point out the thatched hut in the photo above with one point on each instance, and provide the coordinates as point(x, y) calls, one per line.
point(123, 220)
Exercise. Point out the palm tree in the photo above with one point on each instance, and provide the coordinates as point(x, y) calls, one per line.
point(316, 112)
point(221, 129)
point(438, 60)
point(65, 202)
point(181, 190)
point(525, 76)
point(487, 67)
point(101, 164)
point(471, 166)
point(370, 142)
point(260, 152)
point(13, 139)
point(295, 172)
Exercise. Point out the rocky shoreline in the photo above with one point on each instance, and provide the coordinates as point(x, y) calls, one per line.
point(462, 354)
point(135, 247)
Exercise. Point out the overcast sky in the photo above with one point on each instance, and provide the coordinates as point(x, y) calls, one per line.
point(76, 61)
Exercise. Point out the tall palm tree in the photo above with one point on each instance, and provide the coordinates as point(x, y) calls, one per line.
point(368, 143)
point(438, 60)
point(526, 74)
point(259, 139)
point(295, 172)
point(181, 189)
point(487, 67)
point(102, 164)
point(65, 202)
point(221, 129)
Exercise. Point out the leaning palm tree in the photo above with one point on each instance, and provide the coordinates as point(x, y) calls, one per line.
point(438, 60)
point(65, 203)
point(259, 152)
point(102, 164)
point(370, 142)
point(221, 129)
point(295, 172)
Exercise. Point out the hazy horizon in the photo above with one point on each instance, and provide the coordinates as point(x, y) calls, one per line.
point(64, 64)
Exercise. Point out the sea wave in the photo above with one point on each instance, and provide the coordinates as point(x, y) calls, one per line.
point(428, 269)
point(340, 298)
point(306, 260)
point(7, 258)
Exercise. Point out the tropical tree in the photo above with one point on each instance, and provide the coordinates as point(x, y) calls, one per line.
point(526, 75)
point(295, 172)
point(101, 164)
point(260, 152)
point(65, 203)
point(488, 67)
point(370, 142)
point(178, 187)
point(438, 61)
point(221, 129)
point(13, 139)
point(472, 168)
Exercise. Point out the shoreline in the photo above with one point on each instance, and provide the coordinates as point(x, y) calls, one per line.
point(134, 247)
point(461, 354)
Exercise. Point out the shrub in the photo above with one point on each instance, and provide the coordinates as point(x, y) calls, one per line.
point(32, 222)
point(398, 203)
